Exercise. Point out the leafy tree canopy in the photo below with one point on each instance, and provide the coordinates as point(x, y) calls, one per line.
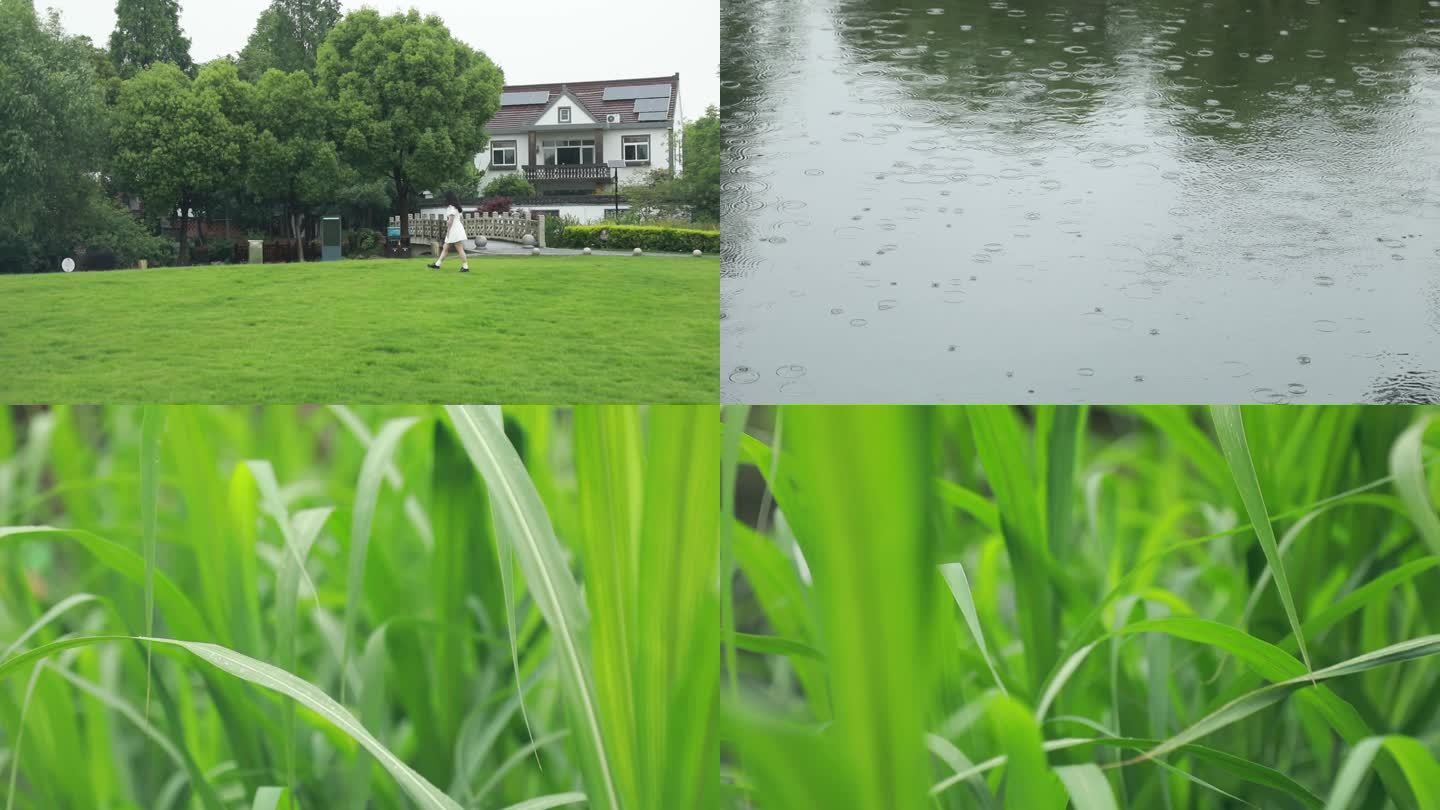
point(174, 142)
point(288, 36)
point(148, 32)
point(51, 134)
point(293, 161)
point(412, 101)
point(701, 177)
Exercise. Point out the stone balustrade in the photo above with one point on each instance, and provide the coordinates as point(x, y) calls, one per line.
point(507, 227)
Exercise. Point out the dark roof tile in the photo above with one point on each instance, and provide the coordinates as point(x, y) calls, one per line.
point(591, 97)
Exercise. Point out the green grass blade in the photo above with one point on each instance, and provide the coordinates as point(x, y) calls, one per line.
point(180, 612)
point(367, 491)
point(277, 680)
point(1087, 787)
point(1252, 702)
point(954, 574)
point(1407, 465)
point(152, 424)
point(1029, 782)
point(523, 525)
point(611, 477)
point(775, 645)
point(734, 418)
point(269, 798)
point(1003, 451)
point(55, 612)
point(1419, 765)
point(1230, 428)
point(464, 568)
point(677, 599)
point(864, 517)
point(546, 802)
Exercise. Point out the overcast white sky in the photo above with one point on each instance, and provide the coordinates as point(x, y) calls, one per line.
point(532, 40)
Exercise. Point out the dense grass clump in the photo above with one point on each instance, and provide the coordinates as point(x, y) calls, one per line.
point(1149, 607)
point(332, 608)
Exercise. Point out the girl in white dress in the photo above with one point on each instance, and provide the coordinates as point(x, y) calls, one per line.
point(454, 233)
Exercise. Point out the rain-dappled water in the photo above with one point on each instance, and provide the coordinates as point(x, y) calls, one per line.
point(1081, 200)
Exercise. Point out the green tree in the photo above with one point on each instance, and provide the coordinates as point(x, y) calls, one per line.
point(412, 101)
point(695, 192)
point(173, 141)
point(147, 32)
point(510, 184)
point(52, 123)
point(466, 184)
point(288, 36)
point(293, 161)
point(700, 179)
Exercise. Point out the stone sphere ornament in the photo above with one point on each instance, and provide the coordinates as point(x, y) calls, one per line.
point(528, 240)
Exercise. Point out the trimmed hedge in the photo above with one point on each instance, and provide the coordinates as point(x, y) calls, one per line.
point(645, 237)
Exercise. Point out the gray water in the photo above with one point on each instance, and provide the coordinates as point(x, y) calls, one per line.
point(1047, 201)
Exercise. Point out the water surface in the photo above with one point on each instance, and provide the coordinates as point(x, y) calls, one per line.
point(1081, 200)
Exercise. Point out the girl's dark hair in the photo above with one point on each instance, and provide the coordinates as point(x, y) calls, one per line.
point(452, 199)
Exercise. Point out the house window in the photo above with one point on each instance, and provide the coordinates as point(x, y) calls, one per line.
point(502, 154)
point(569, 152)
point(637, 148)
point(564, 115)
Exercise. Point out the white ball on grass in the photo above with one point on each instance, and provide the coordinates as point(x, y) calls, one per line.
point(695, 252)
point(638, 251)
point(587, 251)
point(534, 251)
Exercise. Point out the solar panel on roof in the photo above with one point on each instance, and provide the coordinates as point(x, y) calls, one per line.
point(650, 116)
point(643, 105)
point(637, 91)
point(517, 99)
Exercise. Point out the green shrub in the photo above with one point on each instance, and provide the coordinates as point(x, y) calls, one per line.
point(365, 242)
point(512, 185)
point(107, 228)
point(555, 227)
point(645, 237)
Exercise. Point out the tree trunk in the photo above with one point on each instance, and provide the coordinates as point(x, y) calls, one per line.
point(184, 256)
point(296, 221)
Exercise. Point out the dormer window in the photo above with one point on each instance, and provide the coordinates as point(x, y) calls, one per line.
point(564, 115)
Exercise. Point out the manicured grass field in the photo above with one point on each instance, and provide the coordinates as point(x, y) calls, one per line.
point(515, 329)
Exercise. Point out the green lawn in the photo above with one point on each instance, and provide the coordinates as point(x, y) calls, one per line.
point(555, 329)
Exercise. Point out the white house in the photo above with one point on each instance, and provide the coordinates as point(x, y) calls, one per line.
point(562, 137)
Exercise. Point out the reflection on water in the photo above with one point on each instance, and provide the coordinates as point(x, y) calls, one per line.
point(1081, 200)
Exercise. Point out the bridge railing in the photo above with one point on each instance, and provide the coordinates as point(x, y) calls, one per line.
point(507, 227)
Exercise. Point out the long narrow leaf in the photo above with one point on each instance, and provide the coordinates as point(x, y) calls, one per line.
point(524, 526)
